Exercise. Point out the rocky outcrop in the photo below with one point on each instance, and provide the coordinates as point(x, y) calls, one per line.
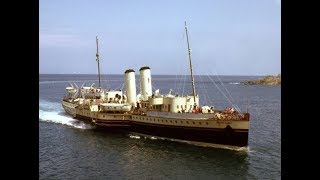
point(267, 80)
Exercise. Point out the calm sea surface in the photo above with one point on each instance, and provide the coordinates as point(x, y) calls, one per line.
point(70, 149)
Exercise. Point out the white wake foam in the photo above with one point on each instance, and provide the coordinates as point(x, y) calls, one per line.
point(134, 136)
point(53, 112)
point(234, 83)
point(246, 149)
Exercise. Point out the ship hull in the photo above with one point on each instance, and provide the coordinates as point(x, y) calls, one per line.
point(115, 124)
point(222, 133)
point(226, 136)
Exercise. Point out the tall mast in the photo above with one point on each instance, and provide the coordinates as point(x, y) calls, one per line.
point(192, 79)
point(97, 55)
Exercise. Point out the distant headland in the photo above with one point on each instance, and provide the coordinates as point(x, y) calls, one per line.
point(267, 80)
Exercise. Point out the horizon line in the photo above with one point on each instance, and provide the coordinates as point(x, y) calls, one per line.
point(161, 74)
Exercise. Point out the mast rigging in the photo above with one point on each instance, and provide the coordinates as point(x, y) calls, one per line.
point(97, 56)
point(192, 78)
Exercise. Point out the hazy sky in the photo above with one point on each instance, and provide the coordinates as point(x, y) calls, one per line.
point(228, 37)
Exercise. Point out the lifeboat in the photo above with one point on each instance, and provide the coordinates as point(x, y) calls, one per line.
point(71, 90)
point(115, 107)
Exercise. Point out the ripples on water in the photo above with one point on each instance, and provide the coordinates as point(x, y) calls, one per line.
point(70, 149)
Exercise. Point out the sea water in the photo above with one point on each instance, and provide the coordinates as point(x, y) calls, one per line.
point(71, 149)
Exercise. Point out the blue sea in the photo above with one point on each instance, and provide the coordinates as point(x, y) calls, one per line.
point(71, 149)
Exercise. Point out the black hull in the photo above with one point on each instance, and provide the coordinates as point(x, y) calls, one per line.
point(83, 118)
point(103, 124)
point(225, 136)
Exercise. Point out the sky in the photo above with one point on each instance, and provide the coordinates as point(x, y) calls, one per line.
point(227, 37)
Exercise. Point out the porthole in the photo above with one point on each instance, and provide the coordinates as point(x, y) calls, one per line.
point(207, 123)
point(187, 122)
point(170, 121)
point(176, 121)
point(193, 123)
point(200, 123)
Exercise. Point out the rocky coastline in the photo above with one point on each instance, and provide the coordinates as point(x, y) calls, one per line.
point(267, 80)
